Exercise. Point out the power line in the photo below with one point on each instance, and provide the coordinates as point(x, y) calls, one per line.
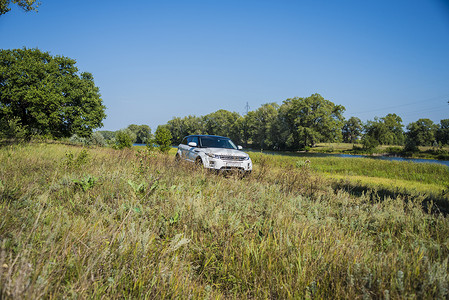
point(402, 105)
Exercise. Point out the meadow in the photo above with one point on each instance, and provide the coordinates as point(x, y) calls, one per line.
point(102, 223)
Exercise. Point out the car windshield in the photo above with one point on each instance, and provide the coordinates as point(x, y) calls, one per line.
point(216, 142)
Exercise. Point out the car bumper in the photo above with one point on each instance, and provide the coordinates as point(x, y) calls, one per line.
point(218, 164)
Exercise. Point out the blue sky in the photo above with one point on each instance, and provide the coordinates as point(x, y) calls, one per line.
point(154, 60)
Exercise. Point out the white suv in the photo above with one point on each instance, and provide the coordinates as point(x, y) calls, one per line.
point(214, 152)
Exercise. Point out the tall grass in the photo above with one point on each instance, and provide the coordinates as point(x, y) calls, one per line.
point(93, 223)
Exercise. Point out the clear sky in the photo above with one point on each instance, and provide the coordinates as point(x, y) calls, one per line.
point(154, 60)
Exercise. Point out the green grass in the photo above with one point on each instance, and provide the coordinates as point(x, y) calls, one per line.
point(93, 223)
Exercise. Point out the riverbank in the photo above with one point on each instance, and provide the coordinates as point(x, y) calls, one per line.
point(383, 150)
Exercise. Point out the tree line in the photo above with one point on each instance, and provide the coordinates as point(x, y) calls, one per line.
point(44, 95)
point(140, 134)
point(300, 123)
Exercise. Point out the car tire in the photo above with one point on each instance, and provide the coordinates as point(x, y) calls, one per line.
point(199, 162)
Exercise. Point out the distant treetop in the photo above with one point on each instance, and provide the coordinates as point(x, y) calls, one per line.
point(26, 5)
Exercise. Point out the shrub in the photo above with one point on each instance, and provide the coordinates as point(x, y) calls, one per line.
point(369, 142)
point(410, 146)
point(97, 139)
point(12, 129)
point(394, 150)
point(124, 138)
point(163, 138)
point(75, 139)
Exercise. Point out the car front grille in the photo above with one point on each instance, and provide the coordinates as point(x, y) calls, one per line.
point(232, 158)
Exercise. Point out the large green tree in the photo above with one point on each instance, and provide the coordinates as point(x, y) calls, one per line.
point(260, 124)
point(384, 131)
point(352, 130)
point(443, 132)
point(223, 123)
point(306, 121)
point(26, 5)
point(142, 132)
point(394, 126)
point(47, 94)
point(181, 127)
point(422, 132)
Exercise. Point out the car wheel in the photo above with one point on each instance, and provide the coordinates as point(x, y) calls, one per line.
point(199, 162)
point(177, 158)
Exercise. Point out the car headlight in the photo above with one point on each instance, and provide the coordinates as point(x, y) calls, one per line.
point(212, 155)
point(246, 158)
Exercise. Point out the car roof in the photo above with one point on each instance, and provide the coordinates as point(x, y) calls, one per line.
point(207, 135)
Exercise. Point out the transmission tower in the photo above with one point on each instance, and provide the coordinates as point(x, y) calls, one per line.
point(247, 107)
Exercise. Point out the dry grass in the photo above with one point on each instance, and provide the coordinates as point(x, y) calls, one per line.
point(94, 223)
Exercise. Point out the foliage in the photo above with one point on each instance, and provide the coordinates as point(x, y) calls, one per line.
point(142, 132)
point(443, 132)
point(12, 129)
point(97, 139)
point(260, 124)
point(394, 126)
point(284, 232)
point(163, 138)
point(422, 132)
point(369, 142)
point(300, 123)
point(47, 94)
point(86, 182)
point(107, 134)
point(75, 139)
point(26, 5)
point(73, 161)
point(124, 138)
point(222, 123)
point(352, 130)
point(310, 120)
point(181, 127)
point(384, 131)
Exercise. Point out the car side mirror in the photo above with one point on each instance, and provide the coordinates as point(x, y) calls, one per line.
point(192, 144)
point(239, 147)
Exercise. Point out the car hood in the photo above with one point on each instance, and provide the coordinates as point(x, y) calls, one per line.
point(223, 151)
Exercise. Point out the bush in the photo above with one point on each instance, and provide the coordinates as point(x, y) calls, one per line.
point(369, 143)
point(75, 139)
point(97, 139)
point(163, 138)
point(394, 150)
point(124, 138)
point(410, 146)
point(12, 129)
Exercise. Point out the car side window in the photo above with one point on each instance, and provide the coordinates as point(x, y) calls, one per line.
point(184, 141)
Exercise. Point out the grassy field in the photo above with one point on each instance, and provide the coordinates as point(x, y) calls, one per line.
point(96, 222)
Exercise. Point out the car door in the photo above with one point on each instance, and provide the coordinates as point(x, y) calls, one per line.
point(192, 151)
point(183, 148)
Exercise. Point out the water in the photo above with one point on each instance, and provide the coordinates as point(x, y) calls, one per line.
point(390, 158)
